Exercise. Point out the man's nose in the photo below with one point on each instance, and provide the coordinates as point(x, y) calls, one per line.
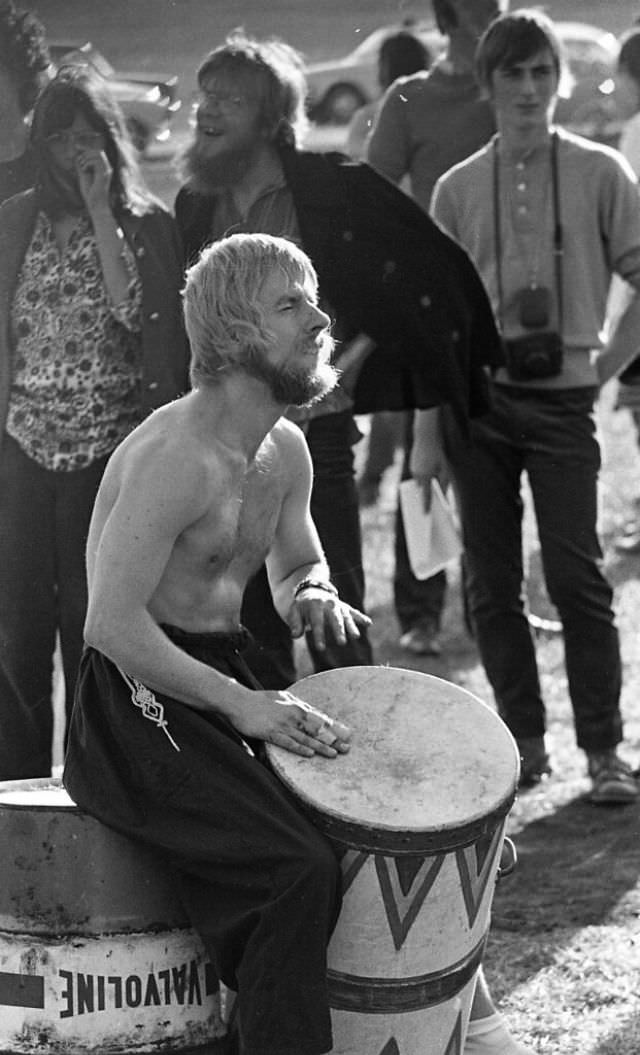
point(319, 319)
point(528, 83)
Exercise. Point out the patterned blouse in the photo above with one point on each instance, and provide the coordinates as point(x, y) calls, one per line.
point(77, 358)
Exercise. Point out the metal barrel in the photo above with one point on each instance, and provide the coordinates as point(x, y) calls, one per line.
point(96, 953)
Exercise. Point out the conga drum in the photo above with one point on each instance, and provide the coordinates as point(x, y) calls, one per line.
point(416, 812)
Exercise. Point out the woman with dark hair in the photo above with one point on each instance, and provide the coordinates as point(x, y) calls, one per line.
point(91, 340)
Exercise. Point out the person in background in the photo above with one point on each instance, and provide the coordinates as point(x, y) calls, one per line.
point(91, 339)
point(628, 102)
point(24, 61)
point(427, 123)
point(548, 217)
point(411, 319)
point(400, 55)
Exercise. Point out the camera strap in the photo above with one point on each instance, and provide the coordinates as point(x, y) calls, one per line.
point(558, 243)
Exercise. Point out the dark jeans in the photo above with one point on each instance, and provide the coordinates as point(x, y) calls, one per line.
point(334, 508)
point(44, 520)
point(386, 433)
point(417, 601)
point(551, 436)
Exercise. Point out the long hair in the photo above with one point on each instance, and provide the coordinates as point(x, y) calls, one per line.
point(274, 72)
point(76, 91)
point(23, 52)
point(222, 312)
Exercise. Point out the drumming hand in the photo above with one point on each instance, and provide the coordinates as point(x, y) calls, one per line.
point(280, 718)
point(317, 611)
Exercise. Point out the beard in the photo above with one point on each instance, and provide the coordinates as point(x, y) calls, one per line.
point(293, 385)
point(206, 174)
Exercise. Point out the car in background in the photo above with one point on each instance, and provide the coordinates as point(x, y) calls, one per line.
point(337, 88)
point(148, 101)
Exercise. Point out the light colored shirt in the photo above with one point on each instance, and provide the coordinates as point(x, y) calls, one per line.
point(427, 123)
point(600, 215)
point(77, 358)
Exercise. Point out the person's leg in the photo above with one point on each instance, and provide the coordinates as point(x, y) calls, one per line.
point(418, 602)
point(75, 496)
point(563, 468)
point(487, 480)
point(385, 434)
point(27, 615)
point(334, 508)
point(487, 1033)
point(259, 883)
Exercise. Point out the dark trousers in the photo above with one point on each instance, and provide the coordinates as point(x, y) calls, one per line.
point(550, 435)
point(260, 884)
point(417, 601)
point(44, 520)
point(334, 508)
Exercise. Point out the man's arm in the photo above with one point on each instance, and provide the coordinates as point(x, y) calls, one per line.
point(163, 492)
point(389, 146)
point(296, 556)
point(623, 342)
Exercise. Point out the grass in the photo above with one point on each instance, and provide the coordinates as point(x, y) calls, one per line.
point(563, 958)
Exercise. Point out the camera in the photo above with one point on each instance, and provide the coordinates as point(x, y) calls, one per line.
point(533, 356)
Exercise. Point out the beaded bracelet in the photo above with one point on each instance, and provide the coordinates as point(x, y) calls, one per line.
point(314, 584)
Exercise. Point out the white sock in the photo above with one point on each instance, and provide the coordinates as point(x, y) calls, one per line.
point(490, 1036)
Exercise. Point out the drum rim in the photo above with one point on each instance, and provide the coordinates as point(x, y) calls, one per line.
point(356, 835)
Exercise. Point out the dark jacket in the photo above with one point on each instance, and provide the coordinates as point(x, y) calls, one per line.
point(155, 244)
point(388, 270)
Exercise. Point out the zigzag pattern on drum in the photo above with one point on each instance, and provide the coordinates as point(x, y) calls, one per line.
point(405, 882)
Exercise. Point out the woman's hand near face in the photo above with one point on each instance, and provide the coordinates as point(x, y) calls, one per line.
point(94, 179)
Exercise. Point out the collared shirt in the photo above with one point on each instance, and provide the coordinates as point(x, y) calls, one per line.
point(600, 215)
point(273, 212)
point(76, 357)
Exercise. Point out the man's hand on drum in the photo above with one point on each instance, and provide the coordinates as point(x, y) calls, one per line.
point(318, 612)
point(278, 717)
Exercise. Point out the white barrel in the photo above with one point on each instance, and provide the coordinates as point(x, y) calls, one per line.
point(416, 812)
point(96, 953)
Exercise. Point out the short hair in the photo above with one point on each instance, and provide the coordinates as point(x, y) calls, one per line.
point(23, 53)
point(271, 69)
point(445, 15)
point(76, 90)
point(222, 313)
point(403, 53)
point(629, 54)
point(513, 38)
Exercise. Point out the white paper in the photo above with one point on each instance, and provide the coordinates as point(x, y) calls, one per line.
point(433, 539)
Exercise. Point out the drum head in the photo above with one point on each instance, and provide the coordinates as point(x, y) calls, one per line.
point(426, 757)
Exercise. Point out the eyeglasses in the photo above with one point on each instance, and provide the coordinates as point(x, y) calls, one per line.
point(85, 140)
point(225, 102)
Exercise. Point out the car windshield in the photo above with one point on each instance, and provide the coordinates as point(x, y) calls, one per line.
point(84, 54)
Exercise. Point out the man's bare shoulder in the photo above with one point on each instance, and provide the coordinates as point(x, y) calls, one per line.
point(290, 443)
point(165, 457)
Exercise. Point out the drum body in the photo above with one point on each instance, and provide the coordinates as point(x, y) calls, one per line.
point(416, 812)
point(96, 954)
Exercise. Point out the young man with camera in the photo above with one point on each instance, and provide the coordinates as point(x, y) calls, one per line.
point(547, 218)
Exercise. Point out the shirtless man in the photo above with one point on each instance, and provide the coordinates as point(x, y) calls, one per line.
point(191, 504)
